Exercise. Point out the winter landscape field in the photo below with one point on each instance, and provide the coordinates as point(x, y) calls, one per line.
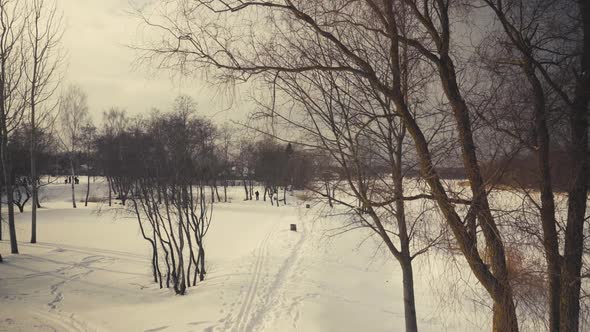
point(295, 165)
point(90, 271)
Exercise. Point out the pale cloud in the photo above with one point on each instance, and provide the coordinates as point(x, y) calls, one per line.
point(96, 40)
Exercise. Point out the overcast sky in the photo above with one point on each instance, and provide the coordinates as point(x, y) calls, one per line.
point(96, 35)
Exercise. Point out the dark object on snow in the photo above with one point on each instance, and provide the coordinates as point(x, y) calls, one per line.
point(76, 180)
point(307, 206)
point(257, 194)
point(294, 227)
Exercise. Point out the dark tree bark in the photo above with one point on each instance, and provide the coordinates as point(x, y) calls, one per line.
point(578, 193)
point(87, 191)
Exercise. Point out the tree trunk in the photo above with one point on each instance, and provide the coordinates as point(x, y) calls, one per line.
point(409, 298)
point(504, 309)
point(87, 191)
point(285, 195)
point(111, 191)
point(33, 146)
point(11, 225)
point(72, 182)
point(574, 233)
point(1, 216)
point(34, 188)
point(7, 173)
point(329, 194)
point(547, 208)
point(504, 318)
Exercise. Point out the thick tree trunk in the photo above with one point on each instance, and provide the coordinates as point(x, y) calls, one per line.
point(1, 216)
point(8, 180)
point(504, 318)
point(504, 309)
point(11, 224)
point(409, 298)
point(578, 193)
point(574, 234)
point(547, 209)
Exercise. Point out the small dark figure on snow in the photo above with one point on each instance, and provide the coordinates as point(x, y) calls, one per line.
point(76, 180)
point(257, 194)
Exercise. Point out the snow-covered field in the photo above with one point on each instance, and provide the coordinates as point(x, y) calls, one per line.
point(90, 272)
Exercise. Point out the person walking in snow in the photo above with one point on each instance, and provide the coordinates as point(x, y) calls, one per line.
point(257, 194)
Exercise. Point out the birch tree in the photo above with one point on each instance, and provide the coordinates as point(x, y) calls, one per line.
point(73, 113)
point(44, 32)
point(13, 17)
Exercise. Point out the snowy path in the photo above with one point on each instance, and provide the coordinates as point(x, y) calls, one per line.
point(261, 276)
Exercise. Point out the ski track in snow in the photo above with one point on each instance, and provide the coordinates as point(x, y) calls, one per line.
point(266, 299)
point(274, 304)
point(243, 317)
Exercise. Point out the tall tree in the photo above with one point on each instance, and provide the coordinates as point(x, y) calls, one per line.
point(551, 51)
point(13, 16)
point(44, 31)
point(73, 112)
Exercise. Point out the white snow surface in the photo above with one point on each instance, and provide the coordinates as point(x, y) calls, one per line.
point(90, 271)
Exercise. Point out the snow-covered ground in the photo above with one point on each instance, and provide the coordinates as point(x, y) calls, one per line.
point(90, 272)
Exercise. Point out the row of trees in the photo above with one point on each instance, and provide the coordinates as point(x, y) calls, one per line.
point(75, 147)
point(423, 84)
point(225, 158)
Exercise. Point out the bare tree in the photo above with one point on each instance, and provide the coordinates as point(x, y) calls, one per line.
point(88, 137)
point(546, 42)
point(73, 112)
point(44, 31)
point(225, 147)
point(114, 124)
point(168, 196)
point(13, 16)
